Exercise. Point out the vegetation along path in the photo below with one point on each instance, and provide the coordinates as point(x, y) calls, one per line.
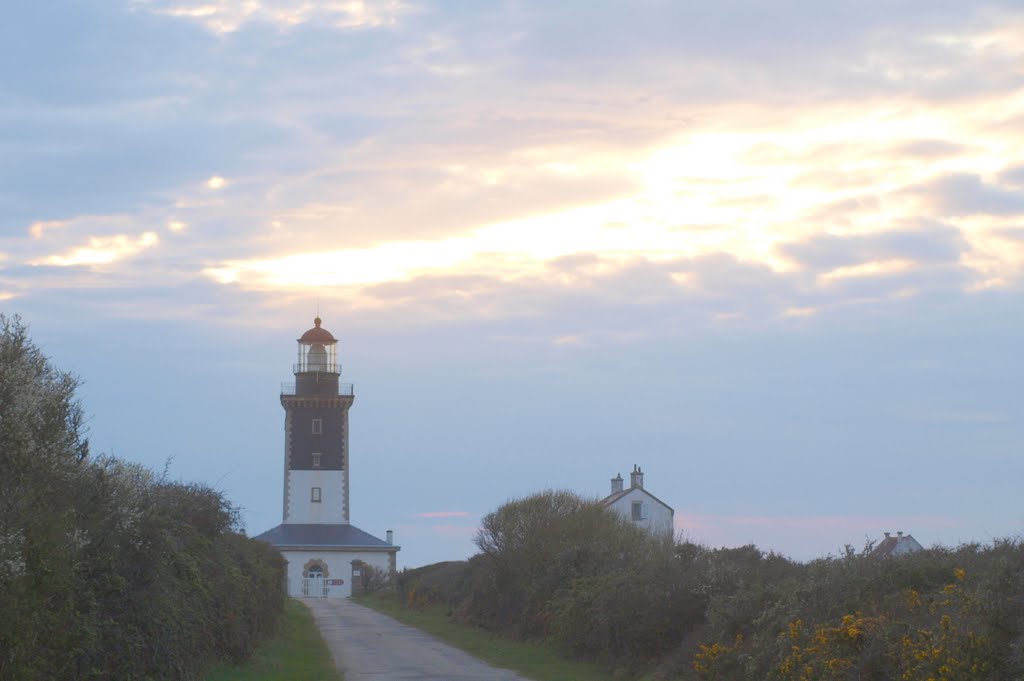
point(369, 646)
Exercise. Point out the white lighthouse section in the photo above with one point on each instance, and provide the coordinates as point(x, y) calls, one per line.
point(315, 497)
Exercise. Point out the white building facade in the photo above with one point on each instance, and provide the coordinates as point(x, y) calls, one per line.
point(639, 507)
point(325, 561)
point(326, 554)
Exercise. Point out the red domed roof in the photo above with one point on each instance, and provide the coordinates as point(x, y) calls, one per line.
point(317, 334)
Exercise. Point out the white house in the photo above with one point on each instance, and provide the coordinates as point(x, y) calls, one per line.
point(326, 554)
point(638, 506)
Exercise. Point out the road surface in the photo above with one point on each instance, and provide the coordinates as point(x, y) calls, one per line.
point(369, 646)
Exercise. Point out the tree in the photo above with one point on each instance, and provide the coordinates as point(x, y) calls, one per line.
point(372, 578)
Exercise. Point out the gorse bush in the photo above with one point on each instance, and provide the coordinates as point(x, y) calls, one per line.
point(941, 636)
point(557, 568)
point(108, 571)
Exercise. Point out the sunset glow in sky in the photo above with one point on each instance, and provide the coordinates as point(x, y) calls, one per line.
point(772, 252)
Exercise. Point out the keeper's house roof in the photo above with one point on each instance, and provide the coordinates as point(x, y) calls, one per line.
point(900, 545)
point(294, 536)
point(615, 496)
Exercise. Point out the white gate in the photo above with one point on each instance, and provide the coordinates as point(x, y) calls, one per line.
point(315, 586)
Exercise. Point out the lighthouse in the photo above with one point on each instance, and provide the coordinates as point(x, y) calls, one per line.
point(327, 555)
point(316, 479)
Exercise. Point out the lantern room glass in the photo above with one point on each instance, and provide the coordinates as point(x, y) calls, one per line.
point(317, 357)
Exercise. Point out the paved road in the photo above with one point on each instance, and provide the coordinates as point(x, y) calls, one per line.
point(369, 646)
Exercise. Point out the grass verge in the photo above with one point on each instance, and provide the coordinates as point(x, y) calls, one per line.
point(537, 662)
point(296, 654)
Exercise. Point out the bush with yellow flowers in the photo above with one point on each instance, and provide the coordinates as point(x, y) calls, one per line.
point(949, 646)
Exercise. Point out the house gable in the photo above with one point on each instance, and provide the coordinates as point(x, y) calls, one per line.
point(639, 507)
point(612, 498)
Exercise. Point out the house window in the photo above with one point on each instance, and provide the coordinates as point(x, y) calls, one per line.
point(318, 426)
point(315, 495)
point(316, 460)
point(638, 510)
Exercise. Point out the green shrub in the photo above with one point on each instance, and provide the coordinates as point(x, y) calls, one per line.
point(125, 575)
point(557, 568)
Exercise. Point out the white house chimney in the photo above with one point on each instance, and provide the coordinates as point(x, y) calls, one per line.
point(900, 533)
point(636, 478)
point(391, 537)
point(617, 483)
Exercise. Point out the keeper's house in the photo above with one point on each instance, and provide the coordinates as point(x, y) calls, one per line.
point(638, 506)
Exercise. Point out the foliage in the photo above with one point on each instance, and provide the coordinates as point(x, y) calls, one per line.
point(438, 583)
point(106, 570)
point(888, 619)
point(557, 569)
point(372, 578)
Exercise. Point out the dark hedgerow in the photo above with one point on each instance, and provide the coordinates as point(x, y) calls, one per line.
point(106, 570)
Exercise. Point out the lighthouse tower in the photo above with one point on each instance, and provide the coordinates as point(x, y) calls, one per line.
point(327, 555)
point(316, 433)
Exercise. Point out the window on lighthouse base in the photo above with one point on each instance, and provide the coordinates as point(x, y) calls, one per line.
point(314, 495)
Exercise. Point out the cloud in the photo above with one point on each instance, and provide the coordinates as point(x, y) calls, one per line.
point(40, 227)
point(578, 300)
point(227, 16)
point(567, 339)
point(1014, 176)
point(926, 242)
point(589, 299)
point(101, 251)
point(930, 149)
point(965, 194)
point(473, 149)
point(452, 192)
point(1010, 233)
point(873, 268)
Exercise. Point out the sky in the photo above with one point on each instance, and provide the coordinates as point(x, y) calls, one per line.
point(772, 252)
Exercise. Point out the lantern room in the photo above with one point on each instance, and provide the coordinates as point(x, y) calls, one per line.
point(316, 372)
point(317, 351)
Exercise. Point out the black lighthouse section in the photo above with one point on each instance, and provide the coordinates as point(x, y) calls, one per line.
point(317, 430)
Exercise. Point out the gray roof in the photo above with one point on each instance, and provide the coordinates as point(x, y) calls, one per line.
point(615, 496)
point(900, 545)
point(320, 535)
